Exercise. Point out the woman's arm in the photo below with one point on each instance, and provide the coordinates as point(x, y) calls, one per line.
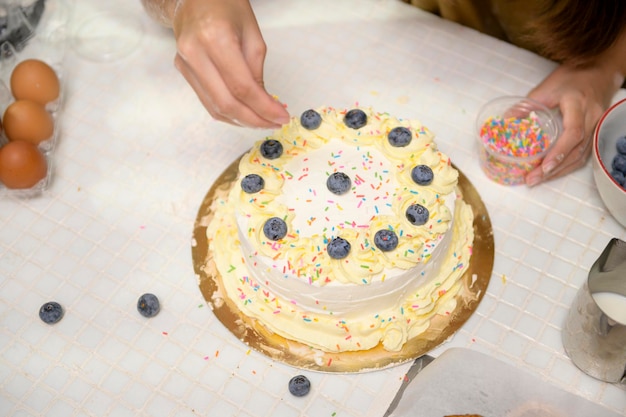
point(161, 11)
point(221, 54)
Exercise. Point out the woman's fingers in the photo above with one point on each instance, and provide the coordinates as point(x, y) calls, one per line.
point(217, 99)
point(221, 53)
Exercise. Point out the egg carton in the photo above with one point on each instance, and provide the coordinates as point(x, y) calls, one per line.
point(33, 29)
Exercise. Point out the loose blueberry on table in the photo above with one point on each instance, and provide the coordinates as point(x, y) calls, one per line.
point(51, 312)
point(148, 305)
point(299, 385)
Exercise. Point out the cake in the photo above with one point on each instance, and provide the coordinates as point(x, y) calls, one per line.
point(344, 230)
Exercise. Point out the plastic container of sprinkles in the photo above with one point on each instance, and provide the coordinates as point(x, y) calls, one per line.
point(514, 134)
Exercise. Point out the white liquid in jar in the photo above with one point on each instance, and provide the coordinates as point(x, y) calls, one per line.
point(613, 305)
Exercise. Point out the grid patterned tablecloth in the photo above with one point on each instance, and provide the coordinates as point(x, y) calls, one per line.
point(138, 153)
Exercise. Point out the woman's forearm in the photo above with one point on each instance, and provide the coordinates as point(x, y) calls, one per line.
point(161, 11)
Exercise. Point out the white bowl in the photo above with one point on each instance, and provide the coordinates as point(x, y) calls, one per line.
point(611, 126)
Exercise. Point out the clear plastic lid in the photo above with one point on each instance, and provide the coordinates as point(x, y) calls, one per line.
point(107, 35)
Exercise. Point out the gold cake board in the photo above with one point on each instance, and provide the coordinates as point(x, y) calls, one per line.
point(254, 334)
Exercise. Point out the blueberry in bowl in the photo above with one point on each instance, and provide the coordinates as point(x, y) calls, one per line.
point(609, 160)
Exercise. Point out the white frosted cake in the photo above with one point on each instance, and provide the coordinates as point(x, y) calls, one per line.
point(344, 230)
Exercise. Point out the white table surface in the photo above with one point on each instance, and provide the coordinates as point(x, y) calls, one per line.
point(136, 155)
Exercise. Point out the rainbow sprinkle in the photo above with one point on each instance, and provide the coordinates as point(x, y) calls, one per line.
point(505, 139)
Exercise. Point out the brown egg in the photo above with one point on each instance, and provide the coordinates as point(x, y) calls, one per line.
point(35, 80)
point(22, 165)
point(27, 120)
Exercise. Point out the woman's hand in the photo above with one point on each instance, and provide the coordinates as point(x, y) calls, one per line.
point(582, 94)
point(221, 52)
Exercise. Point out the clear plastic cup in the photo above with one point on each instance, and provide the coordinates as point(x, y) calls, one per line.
point(513, 136)
point(108, 35)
